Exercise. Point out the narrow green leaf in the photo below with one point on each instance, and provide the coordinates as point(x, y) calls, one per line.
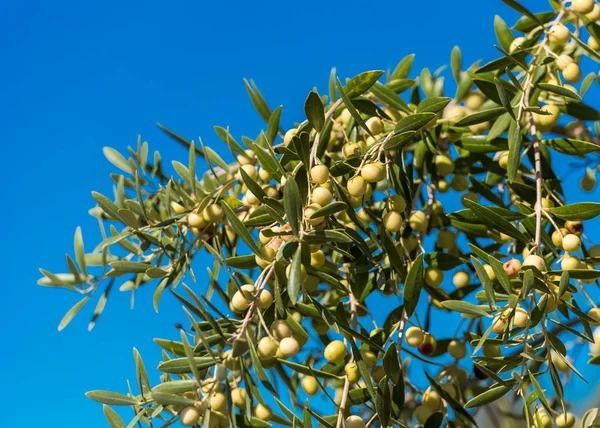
point(294, 283)
point(239, 228)
point(560, 90)
point(522, 10)
point(504, 98)
point(492, 219)
point(391, 364)
point(571, 146)
point(489, 395)
point(503, 33)
point(273, 125)
point(433, 104)
point(72, 312)
point(292, 203)
point(111, 398)
point(403, 68)
point(361, 83)
point(481, 116)
point(111, 210)
point(577, 212)
point(79, 250)
point(314, 110)
point(114, 420)
point(413, 285)
point(466, 308)
point(118, 160)
point(413, 122)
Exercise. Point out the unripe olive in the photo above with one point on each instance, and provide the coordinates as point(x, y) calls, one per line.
point(410, 242)
point(345, 116)
point(446, 239)
point(352, 372)
point(432, 400)
point(544, 420)
point(321, 196)
point(587, 183)
point(335, 351)
point(594, 251)
point(238, 397)
point(250, 170)
point(267, 255)
point(536, 261)
point(289, 135)
point(263, 412)
point(593, 43)
point(239, 302)
point(594, 15)
point(428, 346)
point(490, 272)
point(503, 160)
point(454, 113)
point(572, 73)
point(569, 263)
point(418, 222)
point(177, 208)
point(392, 221)
point(557, 237)
point(265, 299)
point(422, 413)
point(444, 165)
point(433, 277)
point(565, 420)
point(469, 196)
point(218, 401)
point(414, 336)
point(280, 329)
point(575, 227)
point(321, 328)
point(310, 386)
point(474, 100)
point(571, 243)
point(498, 325)
point(350, 150)
point(492, 351)
point(559, 34)
point(375, 125)
point(520, 318)
point(319, 174)
point(373, 172)
point(213, 213)
point(232, 363)
point(562, 61)
point(317, 259)
point(461, 279)
point(512, 268)
point(377, 374)
point(442, 186)
point(369, 357)
point(457, 349)
point(516, 43)
point(354, 421)
point(265, 175)
point(397, 203)
point(357, 186)
point(308, 214)
point(594, 313)
point(288, 347)
point(196, 220)
point(189, 416)
point(311, 283)
point(582, 6)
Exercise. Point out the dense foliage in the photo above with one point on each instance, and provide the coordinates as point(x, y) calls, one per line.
point(331, 248)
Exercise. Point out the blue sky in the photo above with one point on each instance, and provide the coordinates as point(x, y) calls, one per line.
point(81, 76)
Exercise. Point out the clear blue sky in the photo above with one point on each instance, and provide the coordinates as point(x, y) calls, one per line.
point(80, 76)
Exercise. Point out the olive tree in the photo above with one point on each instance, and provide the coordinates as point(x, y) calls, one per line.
point(331, 251)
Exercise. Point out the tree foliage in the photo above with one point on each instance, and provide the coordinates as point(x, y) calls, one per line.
point(330, 248)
